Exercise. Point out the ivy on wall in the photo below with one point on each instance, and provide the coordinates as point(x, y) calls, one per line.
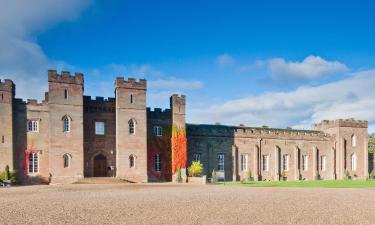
point(179, 152)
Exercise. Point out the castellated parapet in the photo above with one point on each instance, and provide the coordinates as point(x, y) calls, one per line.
point(65, 77)
point(326, 124)
point(6, 85)
point(131, 83)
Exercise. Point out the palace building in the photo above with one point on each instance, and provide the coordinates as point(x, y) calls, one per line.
point(69, 136)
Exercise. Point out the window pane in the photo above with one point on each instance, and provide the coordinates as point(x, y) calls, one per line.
point(99, 128)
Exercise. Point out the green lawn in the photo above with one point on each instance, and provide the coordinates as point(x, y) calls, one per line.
point(307, 184)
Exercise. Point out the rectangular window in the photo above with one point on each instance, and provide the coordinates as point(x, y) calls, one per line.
point(196, 157)
point(157, 163)
point(265, 163)
point(158, 131)
point(244, 160)
point(220, 162)
point(33, 163)
point(32, 126)
point(323, 163)
point(354, 162)
point(305, 162)
point(285, 162)
point(99, 128)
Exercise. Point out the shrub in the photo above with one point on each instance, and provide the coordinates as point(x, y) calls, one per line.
point(179, 175)
point(213, 176)
point(6, 173)
point(196, 169)
point(372, 174)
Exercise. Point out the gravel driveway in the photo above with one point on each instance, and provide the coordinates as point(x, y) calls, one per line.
point(184, 204)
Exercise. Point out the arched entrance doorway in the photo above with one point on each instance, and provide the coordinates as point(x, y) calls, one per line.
point(100, 166)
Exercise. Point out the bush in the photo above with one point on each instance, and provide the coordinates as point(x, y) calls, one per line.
point(179, 175)
point(213, 176)
point(196, 169)
point(372, 174)
point(8, 176)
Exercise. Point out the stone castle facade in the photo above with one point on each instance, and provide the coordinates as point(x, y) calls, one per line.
point(69, 136)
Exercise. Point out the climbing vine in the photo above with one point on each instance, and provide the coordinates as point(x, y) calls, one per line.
point(179, 152)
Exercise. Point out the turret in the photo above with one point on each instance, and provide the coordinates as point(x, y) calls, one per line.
point(351, 146)
point(7, 93)
point(131, 129)
point(178, 142)
point(65, 100)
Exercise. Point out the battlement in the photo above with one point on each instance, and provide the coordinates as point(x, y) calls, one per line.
point(7, 85)
point(325, 124)
point(98, 99)
point(131, 83)
point(178, 99)
point(65, 77)
point(35, 102)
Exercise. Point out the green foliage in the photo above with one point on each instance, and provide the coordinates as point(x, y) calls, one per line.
point(11, 176)
point(372, 174)
point(196, 169)
point(213, 176)
point(6, 173)
point(179, 175)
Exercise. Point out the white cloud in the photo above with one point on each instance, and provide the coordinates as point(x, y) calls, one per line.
point(353, 97)
point(21, 58)
point(311, 67)
point(225, 60)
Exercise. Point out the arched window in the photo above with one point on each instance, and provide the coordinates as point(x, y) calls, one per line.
point(66, 124)
point(354, 140)
point(66, 158)
point(132, 161)
point(354, 162)
point(66, 94)
point(131, 126)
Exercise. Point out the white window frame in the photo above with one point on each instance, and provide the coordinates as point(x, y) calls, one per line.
point(33, 166)
point(33, 126)
point(197, 157)
point(66, 124)
point(305, 162)
point(323, 163)
point(221, 162)
point(354, 140)
point(157, 163)
point(99, 128)
point(354, 162)
point(286, 162)
point(158, 131)
point(265, 162)
point(132, 126)
point(244, 162)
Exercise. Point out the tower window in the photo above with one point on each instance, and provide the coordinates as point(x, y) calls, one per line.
point(157, 163)
point(354, 140)
point(3, 139)
point(33, 163)
point(131, 126)
point(66, 124)
point(131, 99)
point(32, 126)
point(66, 158)
point(158, 131)
point(66, 94)
point(132, 161)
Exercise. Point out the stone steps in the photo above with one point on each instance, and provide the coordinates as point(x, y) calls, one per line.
point(101, 180)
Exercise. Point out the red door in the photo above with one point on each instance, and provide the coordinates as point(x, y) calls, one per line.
point(100, 166)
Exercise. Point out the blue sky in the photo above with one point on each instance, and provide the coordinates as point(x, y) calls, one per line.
point(276, 63)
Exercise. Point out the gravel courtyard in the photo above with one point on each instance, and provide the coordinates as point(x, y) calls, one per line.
point(184, 204)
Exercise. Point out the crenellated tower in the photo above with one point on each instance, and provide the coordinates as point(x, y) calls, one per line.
point(351, 146)
point(178, 142)
point(65, 100)
point(7, 93)
point(131, 129)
